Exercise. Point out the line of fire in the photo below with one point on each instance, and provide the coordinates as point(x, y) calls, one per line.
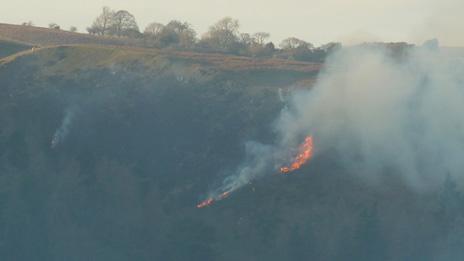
point(305, 152)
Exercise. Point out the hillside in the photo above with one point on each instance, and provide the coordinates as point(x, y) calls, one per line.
point(94, 55)
point(105, 152)
point(9, 47)
point(39, 36)
point(150, 131)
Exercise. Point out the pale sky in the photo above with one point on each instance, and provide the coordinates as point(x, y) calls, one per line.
point(316, 21)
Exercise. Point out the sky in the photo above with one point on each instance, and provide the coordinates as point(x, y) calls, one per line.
point(316, 21)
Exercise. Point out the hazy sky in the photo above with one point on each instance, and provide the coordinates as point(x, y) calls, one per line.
point(317, 21)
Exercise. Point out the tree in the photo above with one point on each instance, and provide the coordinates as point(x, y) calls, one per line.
point(28, 23)
point(261, 50)
point(124, 24)
point(294, 43)
point(331, 47)
point(226, 24)
point(261, 37)
point(54, 26)
point(294, 48)
point(223, 35)
point(270, 46)
point(246, 39)
point(186, 35)
point(152, 34)
point(73, 29)
point(175, 34)
point(102, 23)
point(153, 29)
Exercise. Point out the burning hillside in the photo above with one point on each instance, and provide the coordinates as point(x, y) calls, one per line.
point(305, 152)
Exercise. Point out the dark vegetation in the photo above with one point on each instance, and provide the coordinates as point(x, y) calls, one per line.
point(9, 47)
point(149, 137)
point(153, 130)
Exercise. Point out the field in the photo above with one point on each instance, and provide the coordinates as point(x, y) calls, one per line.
point(18, 38)
point(39, 36)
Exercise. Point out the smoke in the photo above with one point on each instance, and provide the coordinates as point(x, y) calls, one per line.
point(381, 115)
point(62, 132)
point(385, 116)
point(258, 162)
point(281, 95)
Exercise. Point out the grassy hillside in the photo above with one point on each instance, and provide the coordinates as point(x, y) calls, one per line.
point(40, 36)
point(150, 132)
point(9, 47)
point(93, 56)
point(105, 151)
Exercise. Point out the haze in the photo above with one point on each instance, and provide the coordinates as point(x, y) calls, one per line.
point(317, 21)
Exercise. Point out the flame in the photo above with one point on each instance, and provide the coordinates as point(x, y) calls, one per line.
point(205, 203)
point(210, 201)
point(305, 152)
point(224, 195)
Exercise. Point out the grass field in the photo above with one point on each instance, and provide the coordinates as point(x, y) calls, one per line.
point(40, 36)
point(19, 39)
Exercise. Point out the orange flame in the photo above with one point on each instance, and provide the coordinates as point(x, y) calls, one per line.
point(305, 152)
point(206, 203)
point(210, 201)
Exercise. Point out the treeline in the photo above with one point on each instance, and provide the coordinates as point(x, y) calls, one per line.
point(224, 36)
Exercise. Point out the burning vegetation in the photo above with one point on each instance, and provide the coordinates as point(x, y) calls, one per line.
point(210, 201)
point(305, 152)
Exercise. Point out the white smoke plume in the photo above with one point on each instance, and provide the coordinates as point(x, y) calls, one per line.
point(261, 160)
point(62, 132)
point(257, 164)
point(384, 115)
point(281, 95)
point(379, 114)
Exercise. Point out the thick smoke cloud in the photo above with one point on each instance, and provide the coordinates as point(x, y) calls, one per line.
point(385, 116)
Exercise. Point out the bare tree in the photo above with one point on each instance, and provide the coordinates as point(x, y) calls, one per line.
point(261, 37)
point(102, 24)
point(152, 34)
point(246, 39)
point(153, 29)
point(226, 24)
point(73, 29)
